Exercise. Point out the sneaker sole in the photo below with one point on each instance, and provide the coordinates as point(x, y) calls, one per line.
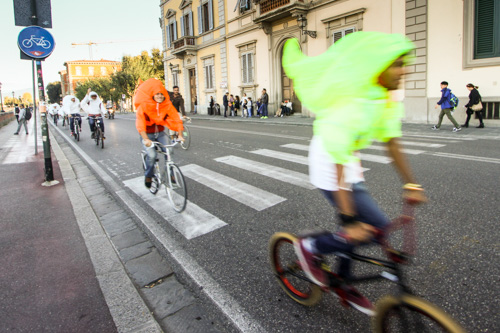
point(298, 252)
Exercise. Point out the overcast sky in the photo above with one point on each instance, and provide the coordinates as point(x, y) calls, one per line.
point(74, 21)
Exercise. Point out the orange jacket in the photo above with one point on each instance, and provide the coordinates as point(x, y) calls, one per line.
point(151, 113)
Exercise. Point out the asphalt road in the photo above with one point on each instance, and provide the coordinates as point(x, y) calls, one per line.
point(457, 265)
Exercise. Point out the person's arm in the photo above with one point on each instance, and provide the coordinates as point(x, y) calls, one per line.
point(413, 191)
point(444, 97)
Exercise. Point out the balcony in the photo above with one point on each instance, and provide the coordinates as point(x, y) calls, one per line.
point(183, 46)
point(272, 10)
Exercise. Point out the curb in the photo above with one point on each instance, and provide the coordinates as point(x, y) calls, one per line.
point(172, 306)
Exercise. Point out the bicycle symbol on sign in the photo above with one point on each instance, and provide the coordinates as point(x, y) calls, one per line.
point(38, 42)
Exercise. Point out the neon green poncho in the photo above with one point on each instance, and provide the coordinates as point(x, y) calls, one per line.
point(340, 87)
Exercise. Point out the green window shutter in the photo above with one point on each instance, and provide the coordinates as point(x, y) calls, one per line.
point(486, 26)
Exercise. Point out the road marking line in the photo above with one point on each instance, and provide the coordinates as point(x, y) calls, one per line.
point(282, 156)
point(226, 303)
point(191, 223)
point(421, 144)
point(372, 147)
point(281, 174)
point(246, 194)
point(469, 158)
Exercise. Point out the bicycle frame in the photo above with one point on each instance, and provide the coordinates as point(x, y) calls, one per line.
point(168, 159)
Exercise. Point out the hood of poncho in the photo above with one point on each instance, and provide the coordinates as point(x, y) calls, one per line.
point(146, 91)
point(349, 69)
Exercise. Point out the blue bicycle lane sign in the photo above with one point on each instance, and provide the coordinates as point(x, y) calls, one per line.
point(36, 42)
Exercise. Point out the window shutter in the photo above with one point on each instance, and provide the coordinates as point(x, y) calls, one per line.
point(349, 31)
point(244, 67)
point(168, 36)
point(200, 21)
point(250, 67)
point(337, 35)
point(182, 27)
point(210, 14)
point(175, 30)
point(206, 78)
point(191, 31)
point(484, 32)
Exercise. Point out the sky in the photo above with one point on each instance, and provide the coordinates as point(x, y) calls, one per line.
point(132, 24)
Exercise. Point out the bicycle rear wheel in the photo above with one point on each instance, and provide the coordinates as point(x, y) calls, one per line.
point(187, 138)
point(176, 188)
point(287, 269)
point(77, 132)
point(97, 136)
point(412, 314)
point(102, 140)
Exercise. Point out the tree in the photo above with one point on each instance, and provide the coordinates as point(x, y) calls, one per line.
point(27, 98)
point(54, 92)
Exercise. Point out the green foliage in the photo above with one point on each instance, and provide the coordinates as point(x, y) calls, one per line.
point(54, 92)
point(125, 81)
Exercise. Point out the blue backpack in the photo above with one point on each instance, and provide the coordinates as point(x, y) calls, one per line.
point(453, 100)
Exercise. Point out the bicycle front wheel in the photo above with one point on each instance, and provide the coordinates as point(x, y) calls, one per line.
point(102, 141)
point(287, 269)
point(412, 314)
point(176, 188)
point(187, 138)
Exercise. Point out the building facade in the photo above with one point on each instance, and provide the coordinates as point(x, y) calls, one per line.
point(214, 46)
point(81, 70)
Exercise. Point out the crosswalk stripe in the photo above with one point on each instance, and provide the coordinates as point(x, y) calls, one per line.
point(281, 156)
point(281, 174)
point(421, 144)
point(192, 222)
point(372, 147)
point(246, 194)
point(375, 158)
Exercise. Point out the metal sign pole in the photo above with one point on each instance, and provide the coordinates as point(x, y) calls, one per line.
point(49, 174)
point(34, 104)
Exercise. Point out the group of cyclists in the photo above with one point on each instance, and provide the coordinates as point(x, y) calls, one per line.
point(71, 108)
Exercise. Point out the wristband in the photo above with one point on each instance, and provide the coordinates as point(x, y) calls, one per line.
point(412, 187)
point(347, 219)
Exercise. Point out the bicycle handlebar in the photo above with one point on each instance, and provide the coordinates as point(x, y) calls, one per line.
point(159, 144)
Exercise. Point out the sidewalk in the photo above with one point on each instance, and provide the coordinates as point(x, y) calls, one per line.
point(47, 279)
point(58, 270)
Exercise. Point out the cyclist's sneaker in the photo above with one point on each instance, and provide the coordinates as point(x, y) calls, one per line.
point(72, 133)
point(147, 182)
point(356, 300)
point(456, 129)
point(311, 263)
point(434, 128)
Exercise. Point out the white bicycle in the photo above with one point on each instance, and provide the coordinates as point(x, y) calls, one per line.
point(38, 42)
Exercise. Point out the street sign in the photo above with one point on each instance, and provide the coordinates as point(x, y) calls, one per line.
point(24, 10)
point(36, 42)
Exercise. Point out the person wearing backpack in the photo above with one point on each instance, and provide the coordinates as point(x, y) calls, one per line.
point(448, 102)
point(22, 120)
point(16, 112)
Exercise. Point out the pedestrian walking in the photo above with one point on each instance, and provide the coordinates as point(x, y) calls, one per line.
point(225, 102)
point(249, 107)
point(237, 105)
point(475, 105)
point(195, 104)
point(212, 103)
point(178, 101)
point(446, 108)
point(16, 112)
point(22, 120)
point(231, 104)
point(244, 100)
point(264, 99)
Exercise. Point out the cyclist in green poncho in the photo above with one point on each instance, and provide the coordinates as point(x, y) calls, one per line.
point(347, 88)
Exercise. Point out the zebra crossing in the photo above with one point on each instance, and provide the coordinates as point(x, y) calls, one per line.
point(195, 221)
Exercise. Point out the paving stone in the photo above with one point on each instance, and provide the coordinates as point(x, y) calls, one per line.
point(113, 217)
point(148, 268)
point(105, 207)
point(93, 190)
point(168, 297)
point(129, 238)
point(119, 227)
point(190, 319)
point(136, 251)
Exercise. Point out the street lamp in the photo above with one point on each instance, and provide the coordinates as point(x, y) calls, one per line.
point(302, 22)
point(13, 98)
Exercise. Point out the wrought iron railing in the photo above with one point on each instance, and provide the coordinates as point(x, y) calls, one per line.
point(268, 5)
point(184, 41)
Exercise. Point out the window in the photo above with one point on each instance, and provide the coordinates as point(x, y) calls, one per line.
point(91, 71)
point(209, 77)
point(205, 17)
point(171, 32)
point(78, 70)
point(175, 79)
point(244, 5)
point(342, 33)
point(187, 25)
point(247, 68)
point(487, 29)
point(104, 71)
